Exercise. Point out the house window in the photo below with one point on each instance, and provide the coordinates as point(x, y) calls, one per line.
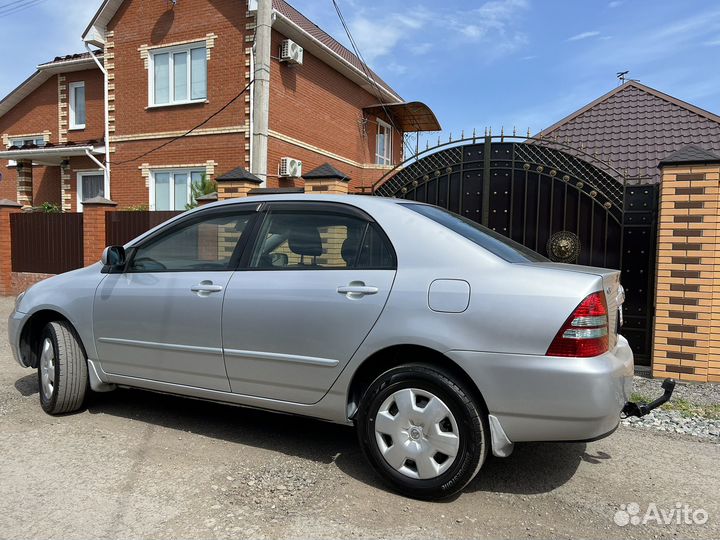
point(383, 144)
point(170, 190)
point(91, 184)
point(19, 142)
point(77, 105)
point(178, 75)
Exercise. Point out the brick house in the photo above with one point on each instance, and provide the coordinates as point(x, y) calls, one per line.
point(171, 67)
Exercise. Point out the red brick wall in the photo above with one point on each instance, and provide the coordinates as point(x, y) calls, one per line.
point(319, 106)
point(140, 23)
point(94, 105)
point(36, 113)
point(128, 185)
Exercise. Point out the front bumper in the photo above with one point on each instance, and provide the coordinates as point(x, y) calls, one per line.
point(543, 398)
point(15, 323)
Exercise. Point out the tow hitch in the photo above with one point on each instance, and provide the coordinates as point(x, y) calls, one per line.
point(633, 409)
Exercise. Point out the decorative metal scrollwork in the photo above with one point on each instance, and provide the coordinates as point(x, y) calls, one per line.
point(564, 247)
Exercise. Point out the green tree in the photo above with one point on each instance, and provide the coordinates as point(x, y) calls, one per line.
point(205, 186)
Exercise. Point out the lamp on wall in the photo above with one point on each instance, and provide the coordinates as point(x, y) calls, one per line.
point(65, 165)
point(19, 166)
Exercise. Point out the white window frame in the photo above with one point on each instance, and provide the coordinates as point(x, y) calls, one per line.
point(171, 51)
point(35, 138)
point(90, 172)
point(72, 87)
point(173, 172)
point(386, 158)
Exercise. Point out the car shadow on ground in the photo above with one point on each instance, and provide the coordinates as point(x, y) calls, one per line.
point(28, 385)
point(532, 468)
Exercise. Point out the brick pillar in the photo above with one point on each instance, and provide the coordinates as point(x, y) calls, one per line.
point(687, 323)
point(336, 187)
point(233, 189)
point(94, 243)
point(207, 199)
point(326, 179)
point(24, 183)
point(6, 208)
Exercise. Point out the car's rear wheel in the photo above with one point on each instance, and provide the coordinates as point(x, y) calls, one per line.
point(62, 369)
point(422, 431)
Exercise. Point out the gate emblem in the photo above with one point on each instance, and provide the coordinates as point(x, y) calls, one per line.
point(564, 247)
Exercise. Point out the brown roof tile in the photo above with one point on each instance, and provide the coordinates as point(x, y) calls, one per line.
point(634, 127)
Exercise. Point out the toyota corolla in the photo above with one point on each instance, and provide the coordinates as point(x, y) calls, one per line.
point(437, 338)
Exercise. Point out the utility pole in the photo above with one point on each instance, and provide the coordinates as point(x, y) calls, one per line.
point(261, 90)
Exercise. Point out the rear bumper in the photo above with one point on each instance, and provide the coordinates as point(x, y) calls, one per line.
point(541, 398)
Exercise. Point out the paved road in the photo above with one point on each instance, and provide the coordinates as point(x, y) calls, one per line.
point(137, 464)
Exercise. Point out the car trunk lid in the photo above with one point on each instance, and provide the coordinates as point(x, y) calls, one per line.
point(614, 294)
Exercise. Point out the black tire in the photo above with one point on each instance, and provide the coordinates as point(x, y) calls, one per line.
point(70, 374)
point(471, 419)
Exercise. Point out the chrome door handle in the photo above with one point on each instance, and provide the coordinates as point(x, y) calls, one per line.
point(357, 290)
point(204, 288)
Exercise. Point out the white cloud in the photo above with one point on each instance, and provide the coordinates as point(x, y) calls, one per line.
point(376, 37)
point(584, 35)
point(712, 43)
point(615, 3)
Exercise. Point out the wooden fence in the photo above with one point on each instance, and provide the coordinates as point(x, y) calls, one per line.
point(123, 226)
point(46, 243)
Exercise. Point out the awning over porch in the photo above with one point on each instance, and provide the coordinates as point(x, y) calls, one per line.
point(51, 154)
point(408, 117)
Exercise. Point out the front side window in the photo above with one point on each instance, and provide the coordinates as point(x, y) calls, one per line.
point(178, 75)
point(383, 144)
point(172, 189)
point(204, 244)
point(77, 105)
point(298, 240)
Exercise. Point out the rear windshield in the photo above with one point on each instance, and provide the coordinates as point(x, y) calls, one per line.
point(494, 242)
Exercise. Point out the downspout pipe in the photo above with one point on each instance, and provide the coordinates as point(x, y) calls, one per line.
point(106, 91)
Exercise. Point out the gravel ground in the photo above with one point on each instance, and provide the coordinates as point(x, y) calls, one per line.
point(141, 465)
point(702, 395)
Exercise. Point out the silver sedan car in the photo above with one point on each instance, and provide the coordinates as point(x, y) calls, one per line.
point(437, 338)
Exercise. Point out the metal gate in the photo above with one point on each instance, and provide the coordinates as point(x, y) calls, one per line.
point(558, 201)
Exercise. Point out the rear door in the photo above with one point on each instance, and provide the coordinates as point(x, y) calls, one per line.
point(311, 290)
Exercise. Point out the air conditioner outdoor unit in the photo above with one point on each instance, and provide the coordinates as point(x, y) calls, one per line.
point(290, 167)
point(291, 52)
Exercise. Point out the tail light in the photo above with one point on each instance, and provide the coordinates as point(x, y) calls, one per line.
point(585, 333)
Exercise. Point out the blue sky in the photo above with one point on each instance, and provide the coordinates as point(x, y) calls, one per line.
point(523, 63)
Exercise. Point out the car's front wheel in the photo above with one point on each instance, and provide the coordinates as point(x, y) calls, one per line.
point(423, 431)
point(62, 369)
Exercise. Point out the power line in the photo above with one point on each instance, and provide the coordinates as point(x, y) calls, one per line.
point(367, 71)
point(166, 143)
point(11, 10)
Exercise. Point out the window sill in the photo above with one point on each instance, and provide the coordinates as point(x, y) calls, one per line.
point(76, 128)
point(183, 104)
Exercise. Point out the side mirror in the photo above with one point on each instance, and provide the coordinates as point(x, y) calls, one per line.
point(113, 256)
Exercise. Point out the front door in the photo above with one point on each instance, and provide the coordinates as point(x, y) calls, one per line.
point(160, 319)
point(314, 286)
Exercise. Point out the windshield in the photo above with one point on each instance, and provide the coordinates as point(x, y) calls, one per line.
point(494, 242)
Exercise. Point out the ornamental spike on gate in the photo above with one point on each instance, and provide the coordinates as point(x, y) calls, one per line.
point(528, 132)
point(514, 132)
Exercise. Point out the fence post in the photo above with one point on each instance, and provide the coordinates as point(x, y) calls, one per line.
point(326, 179)
point(687, 295)
point(6, 208)
point(94, 243)
point(236, 183)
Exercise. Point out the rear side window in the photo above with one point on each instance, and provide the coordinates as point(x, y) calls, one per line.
point(495, 243)
point(300, 240)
